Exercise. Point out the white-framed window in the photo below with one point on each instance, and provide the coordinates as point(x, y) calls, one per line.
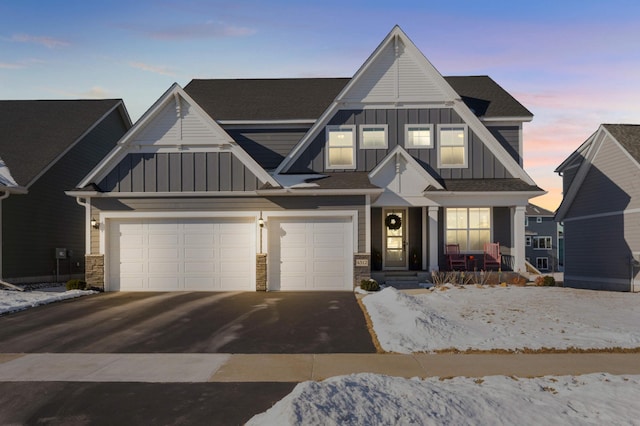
point(373, 136)
point(452, 146)
point(526, 221)
point(341, 147)
point(468, 227)
point(539, 219)
point(542, 263)
point(527, 240)
point(418, 136)
point(542, 243)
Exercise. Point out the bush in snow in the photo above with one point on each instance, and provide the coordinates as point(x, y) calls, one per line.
point(369, 285)
point(545, 281)
point(76, 285)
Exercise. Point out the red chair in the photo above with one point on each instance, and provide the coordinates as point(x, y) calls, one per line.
point(455, 259)
point(492, 256)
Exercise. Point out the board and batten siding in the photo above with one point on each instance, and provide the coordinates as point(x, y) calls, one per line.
point(509, 138)
point(179, 172)
point(482, 163)
point(231, 205)
point(267, 146)
point(35, 224)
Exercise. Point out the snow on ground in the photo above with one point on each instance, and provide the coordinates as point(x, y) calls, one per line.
point(486, 318)
point(369, 399)
point(11, 301)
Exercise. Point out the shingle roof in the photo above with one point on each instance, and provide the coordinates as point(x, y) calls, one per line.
point(533, 210)
point(308, 98)
point(34, 132)
point(628, 135)
point(484, 185)
point(350, 180)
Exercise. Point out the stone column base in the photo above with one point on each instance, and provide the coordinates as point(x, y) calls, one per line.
point(361, 268)
point(261, 272)
point(94, 271)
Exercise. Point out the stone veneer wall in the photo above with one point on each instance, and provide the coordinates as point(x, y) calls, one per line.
point(261, 272)
point(94, 270)
point(361, 268)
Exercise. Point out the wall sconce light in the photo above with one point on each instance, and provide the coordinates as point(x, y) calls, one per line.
point(94, 223)
point(261, 222)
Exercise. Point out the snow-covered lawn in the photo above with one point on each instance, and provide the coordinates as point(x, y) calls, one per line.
point(511, 318)
point(11, 301)
point(481, 318)
point(369, 399)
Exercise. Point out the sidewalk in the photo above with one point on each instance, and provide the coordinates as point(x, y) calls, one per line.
point(199, 368)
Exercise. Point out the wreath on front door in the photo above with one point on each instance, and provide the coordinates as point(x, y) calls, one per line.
point(393, 221)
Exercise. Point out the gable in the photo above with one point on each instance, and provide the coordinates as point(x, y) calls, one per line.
point(177, 127)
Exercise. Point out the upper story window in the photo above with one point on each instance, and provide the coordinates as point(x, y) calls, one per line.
point(452, 140)
point(418, 136)
point(373, 136)
point(341, 147)
point(540, 243)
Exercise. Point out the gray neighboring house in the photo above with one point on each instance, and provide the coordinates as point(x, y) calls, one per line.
point(601, 210)
point(543, 239)
point(46, 147)
point(310, 183)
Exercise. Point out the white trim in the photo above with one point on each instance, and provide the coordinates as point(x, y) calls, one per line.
point(434, 242)
point(541, 237)
point(352, 214)
point(318, 192)
point(490, 199)
point(465, 145)
point(175, 194)
point(407, 128)
point(510, 120)
point(425, 236)
point(398, 150)
point(308, 121)
point(367, 224)
point(379, 127)
point(327, 153)
point(540, 268)
point(600, 215)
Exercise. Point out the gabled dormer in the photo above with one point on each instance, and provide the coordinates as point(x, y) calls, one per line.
point(398, 98)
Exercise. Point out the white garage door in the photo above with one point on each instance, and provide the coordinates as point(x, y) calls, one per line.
point(310, 254)
point(181, 254)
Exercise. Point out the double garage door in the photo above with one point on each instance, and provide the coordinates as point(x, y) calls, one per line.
point(218, 254)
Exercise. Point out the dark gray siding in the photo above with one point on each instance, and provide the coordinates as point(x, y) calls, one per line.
point(267, 146)
point(235, 204)
point(567, 178)
point(376, 238)
point(415, 238)
point(509, 138)
point(33, 225)
point(180, 172)
point(502, 228)
point(482, 163)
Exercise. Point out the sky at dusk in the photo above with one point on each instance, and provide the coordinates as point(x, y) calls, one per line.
point(574, 64)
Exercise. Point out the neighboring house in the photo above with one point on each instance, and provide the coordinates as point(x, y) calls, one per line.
point(543, 239)
point(46, 147)
point(308, 184)
point(601, 210)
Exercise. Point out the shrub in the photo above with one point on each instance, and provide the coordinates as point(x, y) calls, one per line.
point(369, 285)
point(545, 281)
point(76, 285)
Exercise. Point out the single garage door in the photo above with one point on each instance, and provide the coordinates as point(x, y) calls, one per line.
point(181, 254)
point(310, 254)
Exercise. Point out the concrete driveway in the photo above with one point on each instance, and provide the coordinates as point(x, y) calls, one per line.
point(191, 322)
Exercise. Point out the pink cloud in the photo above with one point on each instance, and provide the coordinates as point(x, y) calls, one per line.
point(49, 42)
point(162, 70)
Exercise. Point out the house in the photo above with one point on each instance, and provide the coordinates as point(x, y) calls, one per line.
point(46, 147)
point(601, 210)
point(543, 239)
point(309, 184)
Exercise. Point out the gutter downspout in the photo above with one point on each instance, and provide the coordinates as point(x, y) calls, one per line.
point(87, 221)
point(4, 196)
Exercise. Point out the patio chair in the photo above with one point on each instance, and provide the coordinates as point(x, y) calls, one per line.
point(492, 256)
point(454, 258)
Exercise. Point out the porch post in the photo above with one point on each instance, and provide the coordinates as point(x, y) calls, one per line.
point(433, 238)
point(424, 238)
point(518, 239)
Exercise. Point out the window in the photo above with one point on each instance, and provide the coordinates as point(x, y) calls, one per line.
point(541, 243)
point(542, 263)
point(373, 137)
point(527, 240)
point(341, 147)
point(468, 227)
point(539, 219)
point(418, 136)
point(526, 221)
point(453, 146)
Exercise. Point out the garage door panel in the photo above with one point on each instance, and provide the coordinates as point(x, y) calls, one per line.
point(177, 254)
point(310, 253)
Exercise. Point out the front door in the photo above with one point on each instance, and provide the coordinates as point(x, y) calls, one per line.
point(395, 238)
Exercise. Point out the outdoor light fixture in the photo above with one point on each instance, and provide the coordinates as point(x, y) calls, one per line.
point(261, 222)
point(94, 223)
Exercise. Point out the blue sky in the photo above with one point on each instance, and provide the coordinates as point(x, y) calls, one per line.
point(574, 64)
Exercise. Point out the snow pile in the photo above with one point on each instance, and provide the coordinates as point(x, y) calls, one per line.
point(511, 318)
point(11, 301)
point(369, 399)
